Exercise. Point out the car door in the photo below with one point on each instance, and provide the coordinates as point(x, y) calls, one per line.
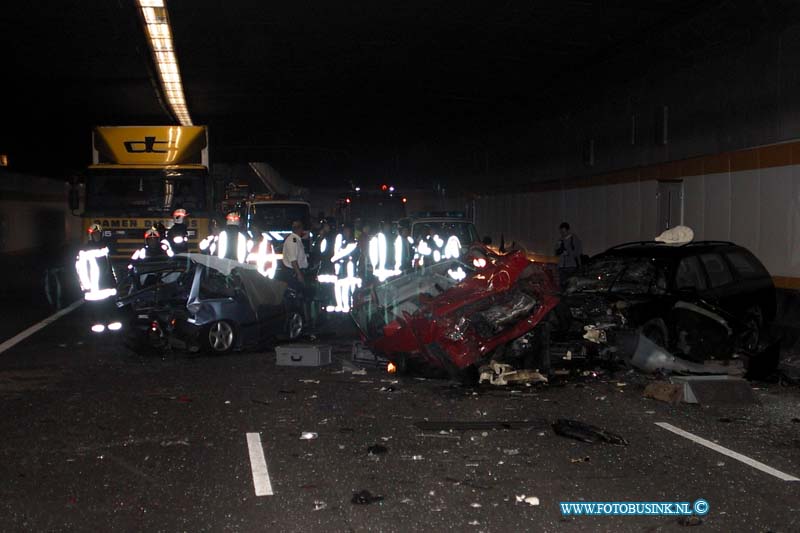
point(754, 284)
point(700, 331)
point(723, 289)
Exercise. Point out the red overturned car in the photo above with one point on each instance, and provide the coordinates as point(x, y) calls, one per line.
point(452, 317)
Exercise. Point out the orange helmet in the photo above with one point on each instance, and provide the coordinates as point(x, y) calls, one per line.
point(94, 228)
point(152, 233)
point(179, 213)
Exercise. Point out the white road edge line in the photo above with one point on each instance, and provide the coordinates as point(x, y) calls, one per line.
point(730, 453)
point(19, 337)
point(258, 465)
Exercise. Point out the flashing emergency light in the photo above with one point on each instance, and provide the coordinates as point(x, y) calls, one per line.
point(347, 200)
point(391, 188)
point(405, 199)
point(384, 187)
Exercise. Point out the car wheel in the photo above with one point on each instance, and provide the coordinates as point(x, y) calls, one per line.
point(294, 325)
point(220, 337)
point(753, 323)
point(656, 332)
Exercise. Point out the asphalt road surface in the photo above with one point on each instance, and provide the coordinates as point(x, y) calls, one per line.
point(97, 438)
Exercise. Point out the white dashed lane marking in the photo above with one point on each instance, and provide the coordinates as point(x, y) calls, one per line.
point(730, 453)
point(258, 465)
point(19, 337)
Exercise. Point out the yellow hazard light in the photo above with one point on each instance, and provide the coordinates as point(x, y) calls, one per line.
point(391, 368)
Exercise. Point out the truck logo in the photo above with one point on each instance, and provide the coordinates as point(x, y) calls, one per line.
point(147, 146)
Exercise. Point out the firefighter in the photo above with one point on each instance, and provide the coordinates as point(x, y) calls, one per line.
point(232, 243)
point(321, 253)
point(429, 249)
point(98, 282)
point(403, 250)
point(154, 246)
point(345, 259)
point(178, 234)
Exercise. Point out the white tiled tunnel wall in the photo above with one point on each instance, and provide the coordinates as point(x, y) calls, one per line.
point(759, 209)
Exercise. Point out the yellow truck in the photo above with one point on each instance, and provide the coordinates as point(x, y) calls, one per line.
point(139, 176)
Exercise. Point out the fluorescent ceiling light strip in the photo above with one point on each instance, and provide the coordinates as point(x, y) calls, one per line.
point(159, 34)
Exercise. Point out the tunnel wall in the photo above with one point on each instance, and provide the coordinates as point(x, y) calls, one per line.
point(34, 214)
point(751, 197)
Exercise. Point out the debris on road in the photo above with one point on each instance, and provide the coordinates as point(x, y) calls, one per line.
point(319, 505)
point(504, 374)
point(530, 500)
point(693, 520)
point(179, 442)
point(664, 391)
point(308, 435)
point(476, 425)
point(377, 449)
point(314, 381)
point(365, 497)
point(360, 372)
point(709, 390)
point(581, 431)
point(650, 358)
point(580, 460)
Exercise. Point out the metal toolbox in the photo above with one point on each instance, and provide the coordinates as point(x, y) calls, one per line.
point(303, 355)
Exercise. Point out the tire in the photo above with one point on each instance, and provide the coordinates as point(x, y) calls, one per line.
point(220, 337)
point(753, 323)
point(656, 332)
point(294, 325)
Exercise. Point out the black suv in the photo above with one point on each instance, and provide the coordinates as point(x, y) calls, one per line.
point(701, 300)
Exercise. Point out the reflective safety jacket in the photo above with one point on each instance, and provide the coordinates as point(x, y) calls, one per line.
point(95, 273)
point(178, 237)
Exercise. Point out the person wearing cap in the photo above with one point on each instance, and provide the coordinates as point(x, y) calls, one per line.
point(321, 253)
point(178, 234)
point(295, 259)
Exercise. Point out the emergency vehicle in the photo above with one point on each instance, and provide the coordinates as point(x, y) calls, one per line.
point(371, 206)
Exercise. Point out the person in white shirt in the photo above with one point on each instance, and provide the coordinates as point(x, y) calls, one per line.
point(294, 255)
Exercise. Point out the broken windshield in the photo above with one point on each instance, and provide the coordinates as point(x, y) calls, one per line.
point(627, 275)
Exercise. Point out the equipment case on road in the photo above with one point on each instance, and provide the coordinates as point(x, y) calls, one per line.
point(303, 355)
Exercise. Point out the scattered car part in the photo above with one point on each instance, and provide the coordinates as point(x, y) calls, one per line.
point(476, 425)
point(504, 374)
point(365, 497)
point(581, 431)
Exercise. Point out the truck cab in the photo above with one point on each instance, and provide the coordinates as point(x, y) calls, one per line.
point(273, 218)
point(444, 224)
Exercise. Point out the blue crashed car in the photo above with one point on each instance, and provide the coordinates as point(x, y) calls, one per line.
point(205, 303)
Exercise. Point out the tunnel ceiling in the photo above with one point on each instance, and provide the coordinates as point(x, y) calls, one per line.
point(325, 91)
